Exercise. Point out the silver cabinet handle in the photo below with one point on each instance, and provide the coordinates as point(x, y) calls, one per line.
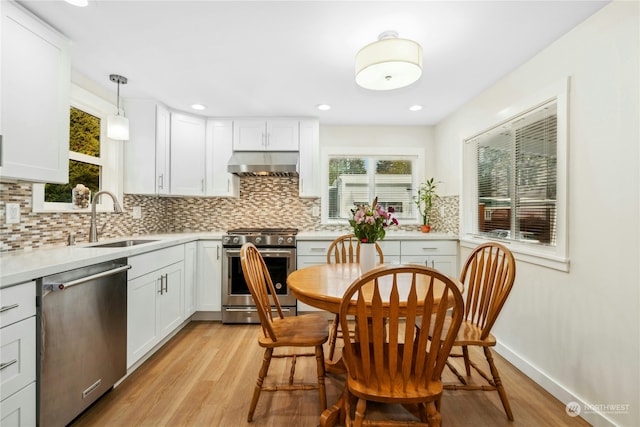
point(7, 364)
point(166, 283)
point(161, 291)
point(9, 307)
point(218, 252)
point(317, 249)
point(161, 181)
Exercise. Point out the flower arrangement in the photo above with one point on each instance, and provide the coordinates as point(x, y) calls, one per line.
point(369, 222)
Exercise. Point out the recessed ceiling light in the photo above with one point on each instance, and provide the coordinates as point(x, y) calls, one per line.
point(323, 107)
point(198, 107)
point(79, 3)
point(415, 108)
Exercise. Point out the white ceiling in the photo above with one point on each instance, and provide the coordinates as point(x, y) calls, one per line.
point(268, 58)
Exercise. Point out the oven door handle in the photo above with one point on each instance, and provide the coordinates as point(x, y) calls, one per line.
point(245, 309)
point(264, 252)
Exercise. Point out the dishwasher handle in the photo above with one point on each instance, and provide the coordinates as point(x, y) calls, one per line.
point(62, 286)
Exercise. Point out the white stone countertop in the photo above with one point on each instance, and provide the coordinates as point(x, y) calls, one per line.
point(23, 266)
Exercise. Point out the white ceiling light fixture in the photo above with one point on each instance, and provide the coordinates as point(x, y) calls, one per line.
point(323, 107)
point(389, 63)
point(118, 126)
point(198, 107)
point(415, 107)
point(79, 3)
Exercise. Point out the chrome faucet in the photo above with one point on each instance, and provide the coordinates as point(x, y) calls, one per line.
point(93, 229)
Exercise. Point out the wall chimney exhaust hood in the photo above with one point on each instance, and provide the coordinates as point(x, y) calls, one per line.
point(264, 163)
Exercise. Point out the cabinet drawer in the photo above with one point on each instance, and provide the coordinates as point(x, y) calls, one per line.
point(314, 247)
point(19, 410)
point(17, 303)
point(151, 261)
point(17, 356)
point(429, 247)
point(389, 247)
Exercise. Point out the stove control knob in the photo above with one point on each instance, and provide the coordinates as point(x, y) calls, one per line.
point(258, 240)
point(236, 240)
point(225, 240)
point(290, 240)
point(280, 240)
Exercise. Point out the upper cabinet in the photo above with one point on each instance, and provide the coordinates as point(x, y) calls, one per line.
point(187, 155)
point(219, 149)
point(308, 181)
point(266, 135)
point(36, 79)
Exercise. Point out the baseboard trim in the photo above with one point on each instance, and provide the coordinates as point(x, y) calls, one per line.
point(556, 389)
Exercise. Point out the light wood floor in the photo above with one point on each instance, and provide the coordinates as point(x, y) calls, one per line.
point(205, 376)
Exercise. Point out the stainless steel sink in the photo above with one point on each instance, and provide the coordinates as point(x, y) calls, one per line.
point(122, 243)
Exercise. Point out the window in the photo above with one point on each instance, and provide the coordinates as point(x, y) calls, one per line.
point(94, 160)
point(358, 179)
point(514, 182)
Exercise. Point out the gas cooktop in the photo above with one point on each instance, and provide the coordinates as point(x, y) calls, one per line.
point(261, 237)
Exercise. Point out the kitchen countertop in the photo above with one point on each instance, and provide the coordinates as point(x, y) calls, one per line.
point(23, 266)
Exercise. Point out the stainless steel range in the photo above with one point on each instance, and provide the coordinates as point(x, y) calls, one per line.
point(278, 248)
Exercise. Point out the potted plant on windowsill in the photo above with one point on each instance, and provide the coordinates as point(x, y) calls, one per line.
point(424, 202)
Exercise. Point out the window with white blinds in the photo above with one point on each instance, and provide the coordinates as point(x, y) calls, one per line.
point(517, 169)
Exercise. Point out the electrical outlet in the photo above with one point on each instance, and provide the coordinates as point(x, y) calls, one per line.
point(315, 211)
point(137, 212)
point(12, 213)
point(442, 211)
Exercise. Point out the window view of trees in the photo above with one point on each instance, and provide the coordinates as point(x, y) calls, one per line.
point(84, 157)
point(352, 181)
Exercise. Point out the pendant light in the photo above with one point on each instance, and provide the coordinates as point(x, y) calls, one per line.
point(389, 63)
point(118, 126)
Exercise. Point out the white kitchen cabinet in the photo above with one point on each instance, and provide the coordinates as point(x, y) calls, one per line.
point(146, 154)
point(188, 137)
point(155, 305)
point(209, 288)
point(35, 81)
point(266, 135)
point(309, 179)
point(18, 355)
point(219, 148)
point(439, 254)
point(190, 277)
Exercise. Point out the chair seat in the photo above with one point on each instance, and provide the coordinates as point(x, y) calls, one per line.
point(469, 334)
point(414, 392)
point(300, 331)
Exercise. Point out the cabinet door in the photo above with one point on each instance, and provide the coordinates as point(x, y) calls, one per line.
point(19, 410)
point(18, 356)
point(187, 155)
point(163, 150)
point(282, 135)
point(170, 304)
point(209, 289)
point(190, 276)
point(219, 150)
point(140, 150)
point(141, 316)
point(249, 135)
point(446, 264)
point(36, 79)
point(309, 182)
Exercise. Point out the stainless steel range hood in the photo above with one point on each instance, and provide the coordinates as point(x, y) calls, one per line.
point(264, 163)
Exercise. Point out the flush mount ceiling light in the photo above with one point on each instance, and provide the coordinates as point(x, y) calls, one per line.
point(118, 126)
point(198, 107)
point(79, 3)
point(389, 63)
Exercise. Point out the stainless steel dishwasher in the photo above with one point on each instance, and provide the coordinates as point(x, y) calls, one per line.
point(83, 346)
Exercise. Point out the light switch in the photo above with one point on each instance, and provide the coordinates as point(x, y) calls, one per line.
point(137, 212)
point(13, 213)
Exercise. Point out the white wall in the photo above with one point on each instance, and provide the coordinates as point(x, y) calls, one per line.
point(578, 333)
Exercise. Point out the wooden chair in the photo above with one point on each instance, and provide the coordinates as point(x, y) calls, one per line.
point(404, 367)
point(344, 249)
point(279, 331)
point(488, 276)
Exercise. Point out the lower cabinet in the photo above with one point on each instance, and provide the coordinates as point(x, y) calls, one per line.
point(155, 304)
point(439, 254)
point(209, 287)
point(190, 278)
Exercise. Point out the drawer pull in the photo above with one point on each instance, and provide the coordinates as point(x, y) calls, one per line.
point(429, 249)
point(9, 307)
point(317, 249)
point(7, 364)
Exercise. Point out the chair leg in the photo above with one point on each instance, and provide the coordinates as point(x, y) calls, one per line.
point(434, 419)
point(498, 383)
point(266, 361)
point(333, 335)
point(465, 355)
point(361, 408)
point(321, 374)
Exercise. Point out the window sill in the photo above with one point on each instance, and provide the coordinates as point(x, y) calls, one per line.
point(532, 254)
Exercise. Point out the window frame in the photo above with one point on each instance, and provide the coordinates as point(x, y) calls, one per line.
point(415, 155)
point(111, 157)
point(556, 257)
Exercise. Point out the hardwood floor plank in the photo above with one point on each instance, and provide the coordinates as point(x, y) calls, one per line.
point(206, 374)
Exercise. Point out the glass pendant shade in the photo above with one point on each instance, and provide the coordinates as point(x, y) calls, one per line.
point(389, 63)
point(118, 127)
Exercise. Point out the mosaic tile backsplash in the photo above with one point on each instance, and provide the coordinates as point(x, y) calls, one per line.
point(263, 202)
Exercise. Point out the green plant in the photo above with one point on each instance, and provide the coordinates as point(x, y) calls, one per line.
point(425, 198)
